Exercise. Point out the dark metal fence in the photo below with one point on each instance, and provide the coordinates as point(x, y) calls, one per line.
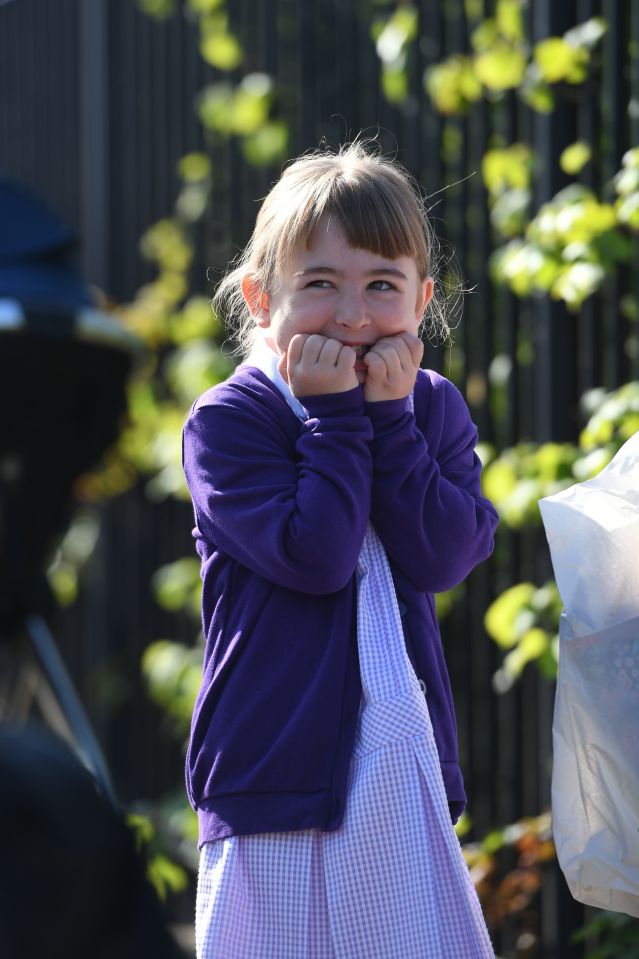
point(96, 106)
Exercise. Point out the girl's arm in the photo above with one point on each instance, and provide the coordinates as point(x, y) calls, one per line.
point(290, 503)
point(427, 505)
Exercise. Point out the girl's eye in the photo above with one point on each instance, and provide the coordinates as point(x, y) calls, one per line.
point(319, 284)
point(381, 285)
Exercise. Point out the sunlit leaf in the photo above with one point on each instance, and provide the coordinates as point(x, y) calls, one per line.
point(221, 50)
point(501, 616)
point(63, 580)
point(192, 201)
point(501, 68)
point(575, 157)
point(453, 84)
point(166, 875)
point(204, 6)
point(628, 210)
point(267, 145)
point(398, 31)
point(587, 34)
point(576, 283)
point(484, 35)
point(174, 583)
point(508, 167)
point(394, 83)
point(509, 18)
point(194, 167)
point(158, 9)
point(556, 58)
point(251, 103)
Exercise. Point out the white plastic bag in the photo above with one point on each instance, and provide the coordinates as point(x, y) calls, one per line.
point(593, 534)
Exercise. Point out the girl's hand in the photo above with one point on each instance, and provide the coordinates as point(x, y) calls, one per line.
point(392, 366)
point(315, 365)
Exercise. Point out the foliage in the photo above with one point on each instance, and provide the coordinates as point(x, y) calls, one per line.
point(520, 476)
point(507, 867)
point(617, 935)
point(503, 59)
point(524, 619)
point(574, 241)
point(164, 873)
point(393, 36)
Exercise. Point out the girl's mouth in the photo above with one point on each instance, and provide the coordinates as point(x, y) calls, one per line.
point(361, 349)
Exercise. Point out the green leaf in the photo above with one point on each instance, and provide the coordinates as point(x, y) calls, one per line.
point(453, 84)
point(493, 842)
point(510, 20)
point(174, 583)
point(485, 35)
point(628, 211)
point(510, 212)
point(396, 34)
point(394, 83)
point(576, 283)
point(142, 827)
point(508, 167)
point(215, 107)
point(267, 145)
point(575, 157)
point(501, 68)
point(252, 103)
point(221, 50)
point(194, 167)
point(63, 579)
point(587, 34)
point(166, 876)
point(501, 617)
point(556, 59)
point(158, 9)
point(204, 6)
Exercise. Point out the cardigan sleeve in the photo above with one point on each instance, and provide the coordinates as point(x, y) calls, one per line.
point(290, 503)
point(427, 505)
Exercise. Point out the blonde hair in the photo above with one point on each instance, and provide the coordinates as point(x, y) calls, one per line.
point(377, 204)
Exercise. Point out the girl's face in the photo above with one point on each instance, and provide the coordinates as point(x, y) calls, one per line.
point(345, 293)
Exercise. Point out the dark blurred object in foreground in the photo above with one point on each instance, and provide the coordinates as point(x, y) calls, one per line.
point(63, 370)
point(72, 884)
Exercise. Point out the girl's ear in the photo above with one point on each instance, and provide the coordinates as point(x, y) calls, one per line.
point(428, 285)
point(257, 300)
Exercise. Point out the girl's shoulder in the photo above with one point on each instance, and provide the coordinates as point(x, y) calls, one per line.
point(440, 408)
point(246, 388)
point(435, 390)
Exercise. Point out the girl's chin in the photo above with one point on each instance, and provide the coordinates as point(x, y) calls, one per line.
point(361, 376)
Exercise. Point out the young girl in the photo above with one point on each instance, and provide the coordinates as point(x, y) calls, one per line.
point(335, 489)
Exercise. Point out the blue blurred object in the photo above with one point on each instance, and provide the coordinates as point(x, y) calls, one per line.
point(36, 253)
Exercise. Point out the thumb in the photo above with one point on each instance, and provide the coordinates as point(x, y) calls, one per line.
point(283, 366)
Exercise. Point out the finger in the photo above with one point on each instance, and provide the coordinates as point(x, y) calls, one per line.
point(283, 366)
point(329, 354)
point(312, 348)
point(295, 349)
point(375, 365)
point(346, 357)
point(415, 346)
point(392, 352)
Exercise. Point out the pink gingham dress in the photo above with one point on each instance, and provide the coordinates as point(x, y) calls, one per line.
point(391, 882)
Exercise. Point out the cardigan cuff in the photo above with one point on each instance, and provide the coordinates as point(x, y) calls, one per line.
point(349, 403)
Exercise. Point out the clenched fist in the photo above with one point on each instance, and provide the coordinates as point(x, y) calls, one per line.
point(391, 367)
point(314, 365)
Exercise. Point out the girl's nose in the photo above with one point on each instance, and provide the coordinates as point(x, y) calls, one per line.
point(352, 311)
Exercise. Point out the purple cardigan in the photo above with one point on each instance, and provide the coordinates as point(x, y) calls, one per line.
point(281, 508)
